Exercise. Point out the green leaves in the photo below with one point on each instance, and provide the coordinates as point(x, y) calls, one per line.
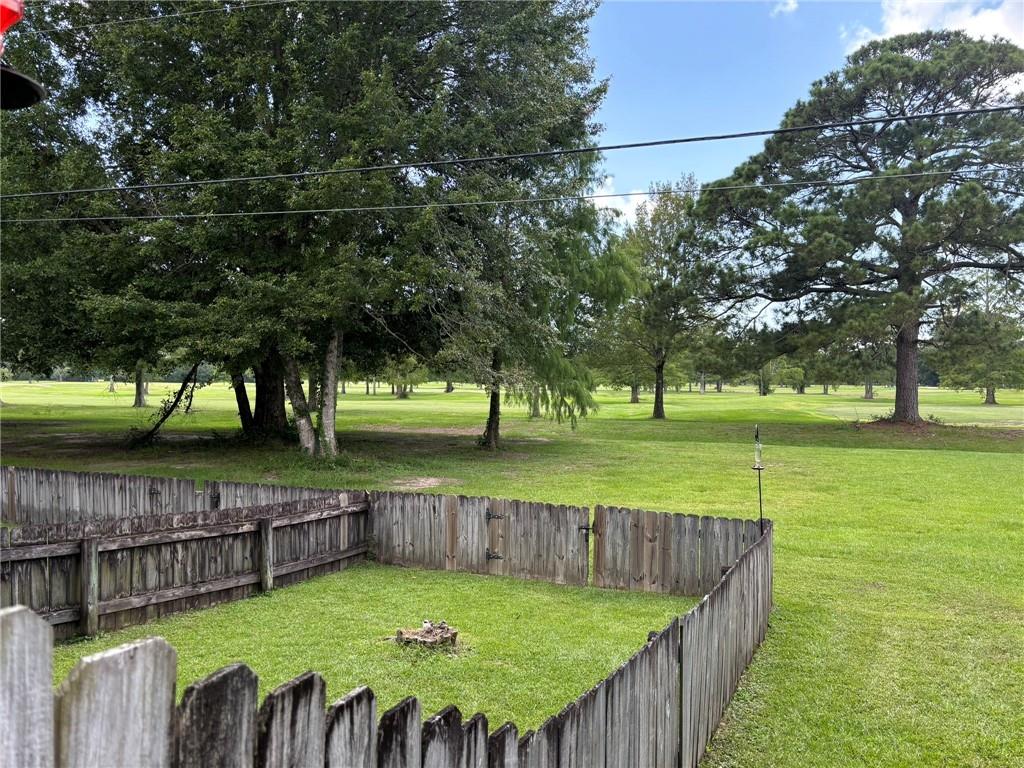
point(938, 198)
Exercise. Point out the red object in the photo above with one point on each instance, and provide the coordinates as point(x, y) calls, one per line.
point(11, 12)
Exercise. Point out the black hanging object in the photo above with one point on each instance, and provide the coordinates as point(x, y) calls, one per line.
point(18, 91)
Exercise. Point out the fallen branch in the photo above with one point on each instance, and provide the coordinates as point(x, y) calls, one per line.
point(137, 440)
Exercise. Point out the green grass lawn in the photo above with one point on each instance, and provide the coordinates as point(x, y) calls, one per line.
point(898, 636)
point(525, 649)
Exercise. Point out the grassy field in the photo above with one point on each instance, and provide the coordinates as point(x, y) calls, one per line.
point(525, 648)
point(898, 637)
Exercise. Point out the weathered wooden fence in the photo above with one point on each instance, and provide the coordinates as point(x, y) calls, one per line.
point(658, 709)
point(107, 573)
point(80, 552)
point(647, 551)
point(717, 640)
point(32, 496)
point(501, 537)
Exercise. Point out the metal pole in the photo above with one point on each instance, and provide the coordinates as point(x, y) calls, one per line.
point(759, 468)
point(760, 501)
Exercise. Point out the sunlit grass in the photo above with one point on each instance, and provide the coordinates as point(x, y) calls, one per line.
point(898, 638)
point(525, 648)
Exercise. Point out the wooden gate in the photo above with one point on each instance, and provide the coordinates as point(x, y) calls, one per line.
point(527, 540)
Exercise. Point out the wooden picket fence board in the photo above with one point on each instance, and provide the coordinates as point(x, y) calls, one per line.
point(352, 731)
point(116, 707)
point(399, 736)
point(217, 720)
point(26, 690)
point(527, 540)
point(291, 726)
point(659, 709)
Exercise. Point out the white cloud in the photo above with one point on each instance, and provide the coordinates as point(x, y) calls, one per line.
point(977, 18)
point(625, 203)
point(784, 6)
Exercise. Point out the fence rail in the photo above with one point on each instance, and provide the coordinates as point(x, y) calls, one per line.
point(659, 709)
point(106, 574)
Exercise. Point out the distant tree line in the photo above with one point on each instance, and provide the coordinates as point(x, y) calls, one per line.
point(787, 273)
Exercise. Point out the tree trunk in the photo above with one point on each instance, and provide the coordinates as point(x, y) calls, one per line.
point(300, 407)
point(392, 388)
point(703, 383)
point(801, 388)
point(329, 397)
point(242, 400)
point(270, 416)
point(110, 387)
point(990, 395)
point(491, 436)
point(375, 386)
point(343, 388)
point(140, 386)
point(535, 404)
point(869, 390)
point(906, 410)
point(367, 386)
point(659, 390)
point(634, 393)
point(145, 387)
point(313, 398)
point(449, 386)
point(824, 389)
point(401, 391)
point(718, 385)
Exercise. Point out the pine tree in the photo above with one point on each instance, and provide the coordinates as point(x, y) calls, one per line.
point(947, 201)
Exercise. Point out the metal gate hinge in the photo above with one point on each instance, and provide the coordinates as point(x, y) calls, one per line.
point(493, 555)
point(587, 528)
point(491, 516)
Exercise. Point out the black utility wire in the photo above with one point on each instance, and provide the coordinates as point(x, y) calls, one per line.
point(517, 200)
point(523, 155)
point(115, 22)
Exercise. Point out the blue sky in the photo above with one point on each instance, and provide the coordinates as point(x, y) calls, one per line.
point(686, 68)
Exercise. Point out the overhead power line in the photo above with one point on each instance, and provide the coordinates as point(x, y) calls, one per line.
point(426, 164)
point(117, 22)
point(505, 201)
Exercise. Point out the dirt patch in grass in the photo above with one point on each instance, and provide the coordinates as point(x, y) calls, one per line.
point(419, 483)
point(466, 431)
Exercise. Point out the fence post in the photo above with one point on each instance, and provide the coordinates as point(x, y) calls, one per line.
point(267, 554)
point(90, 579)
